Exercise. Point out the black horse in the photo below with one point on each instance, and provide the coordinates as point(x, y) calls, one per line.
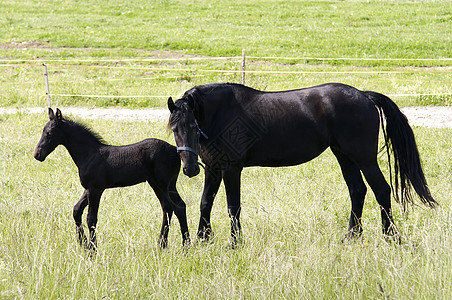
point(236, 126)
point(103, 166)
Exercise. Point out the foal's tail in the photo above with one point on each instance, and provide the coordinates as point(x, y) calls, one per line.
point(400, 138)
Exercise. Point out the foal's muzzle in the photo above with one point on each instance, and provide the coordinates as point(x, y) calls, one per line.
point(37, 155)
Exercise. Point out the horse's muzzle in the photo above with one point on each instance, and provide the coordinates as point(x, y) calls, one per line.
point(191, 171)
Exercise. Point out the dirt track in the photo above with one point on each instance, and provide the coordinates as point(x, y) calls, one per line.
point(430, 116)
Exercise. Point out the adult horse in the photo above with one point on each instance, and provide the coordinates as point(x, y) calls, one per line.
point(236, 126)
point(103, 166)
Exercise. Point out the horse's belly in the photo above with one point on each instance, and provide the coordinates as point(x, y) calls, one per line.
point(281, 155)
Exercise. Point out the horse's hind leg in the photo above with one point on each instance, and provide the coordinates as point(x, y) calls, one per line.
point(231, 179)
point(77, 214)
point(382, 192)
point(357, 190)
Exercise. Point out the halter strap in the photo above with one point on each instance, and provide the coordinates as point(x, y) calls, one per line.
point(200, 131)
point(190, 149)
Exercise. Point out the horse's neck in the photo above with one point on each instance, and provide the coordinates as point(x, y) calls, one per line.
point(80, 143)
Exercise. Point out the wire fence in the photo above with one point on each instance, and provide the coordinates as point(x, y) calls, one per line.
point(113, 64)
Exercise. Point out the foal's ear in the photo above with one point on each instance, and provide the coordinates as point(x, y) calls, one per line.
point(171, 105)
point(51, 114)
point(59, 116)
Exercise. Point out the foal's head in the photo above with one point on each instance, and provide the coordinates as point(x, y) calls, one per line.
point(186, 133)
point(52, 136)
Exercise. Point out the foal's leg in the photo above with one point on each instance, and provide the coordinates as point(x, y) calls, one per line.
point(180, 210)
point(382, 192)
point(77, 214)
point(231, 179)
point(211, 185)
point(93, 207)
point(357, 190)
point(167, 215)
point(167, 212)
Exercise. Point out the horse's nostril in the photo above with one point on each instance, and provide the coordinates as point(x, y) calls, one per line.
point(190, 172)
point(36, 154)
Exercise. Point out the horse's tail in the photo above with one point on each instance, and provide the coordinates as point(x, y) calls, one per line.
point(407, 165)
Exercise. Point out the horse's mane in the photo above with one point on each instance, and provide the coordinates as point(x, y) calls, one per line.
point(195, 97)
point(84, 128)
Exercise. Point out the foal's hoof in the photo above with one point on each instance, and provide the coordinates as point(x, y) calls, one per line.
point(233, 245)
point(91, 247)
point(186, 243)
point(236, 241)
point(163, 243)
point(394, 238)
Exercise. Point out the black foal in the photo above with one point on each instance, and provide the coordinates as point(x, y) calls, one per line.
point(103, 166)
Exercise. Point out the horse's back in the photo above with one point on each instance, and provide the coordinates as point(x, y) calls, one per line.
point(295, 126)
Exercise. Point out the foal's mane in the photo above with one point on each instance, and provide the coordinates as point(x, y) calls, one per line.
point(84, 128)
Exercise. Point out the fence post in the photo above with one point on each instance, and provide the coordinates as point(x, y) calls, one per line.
point(46, 76)
point(243, 66)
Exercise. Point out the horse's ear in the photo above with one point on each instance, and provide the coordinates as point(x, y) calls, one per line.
point(51, 114)
point(58, 115)
point(171, 105)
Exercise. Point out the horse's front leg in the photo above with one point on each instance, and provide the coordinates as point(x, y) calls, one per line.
point(211, 186)
point(91, 219)
point(231, 178)
point(77, 214)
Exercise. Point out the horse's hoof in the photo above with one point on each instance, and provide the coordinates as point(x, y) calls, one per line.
point(352, 235)
point(205, 235)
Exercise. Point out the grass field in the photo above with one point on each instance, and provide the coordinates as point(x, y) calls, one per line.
point(294, 219)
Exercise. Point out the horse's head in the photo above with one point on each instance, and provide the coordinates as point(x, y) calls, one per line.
point(52, 136)
point(186, 133)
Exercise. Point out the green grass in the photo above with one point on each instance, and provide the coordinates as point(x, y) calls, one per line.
point(391, 29)
point(385, 44)
point(293, 220)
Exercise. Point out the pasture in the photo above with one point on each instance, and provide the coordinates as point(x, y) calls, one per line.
point(293, 220)
point(136, 54)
